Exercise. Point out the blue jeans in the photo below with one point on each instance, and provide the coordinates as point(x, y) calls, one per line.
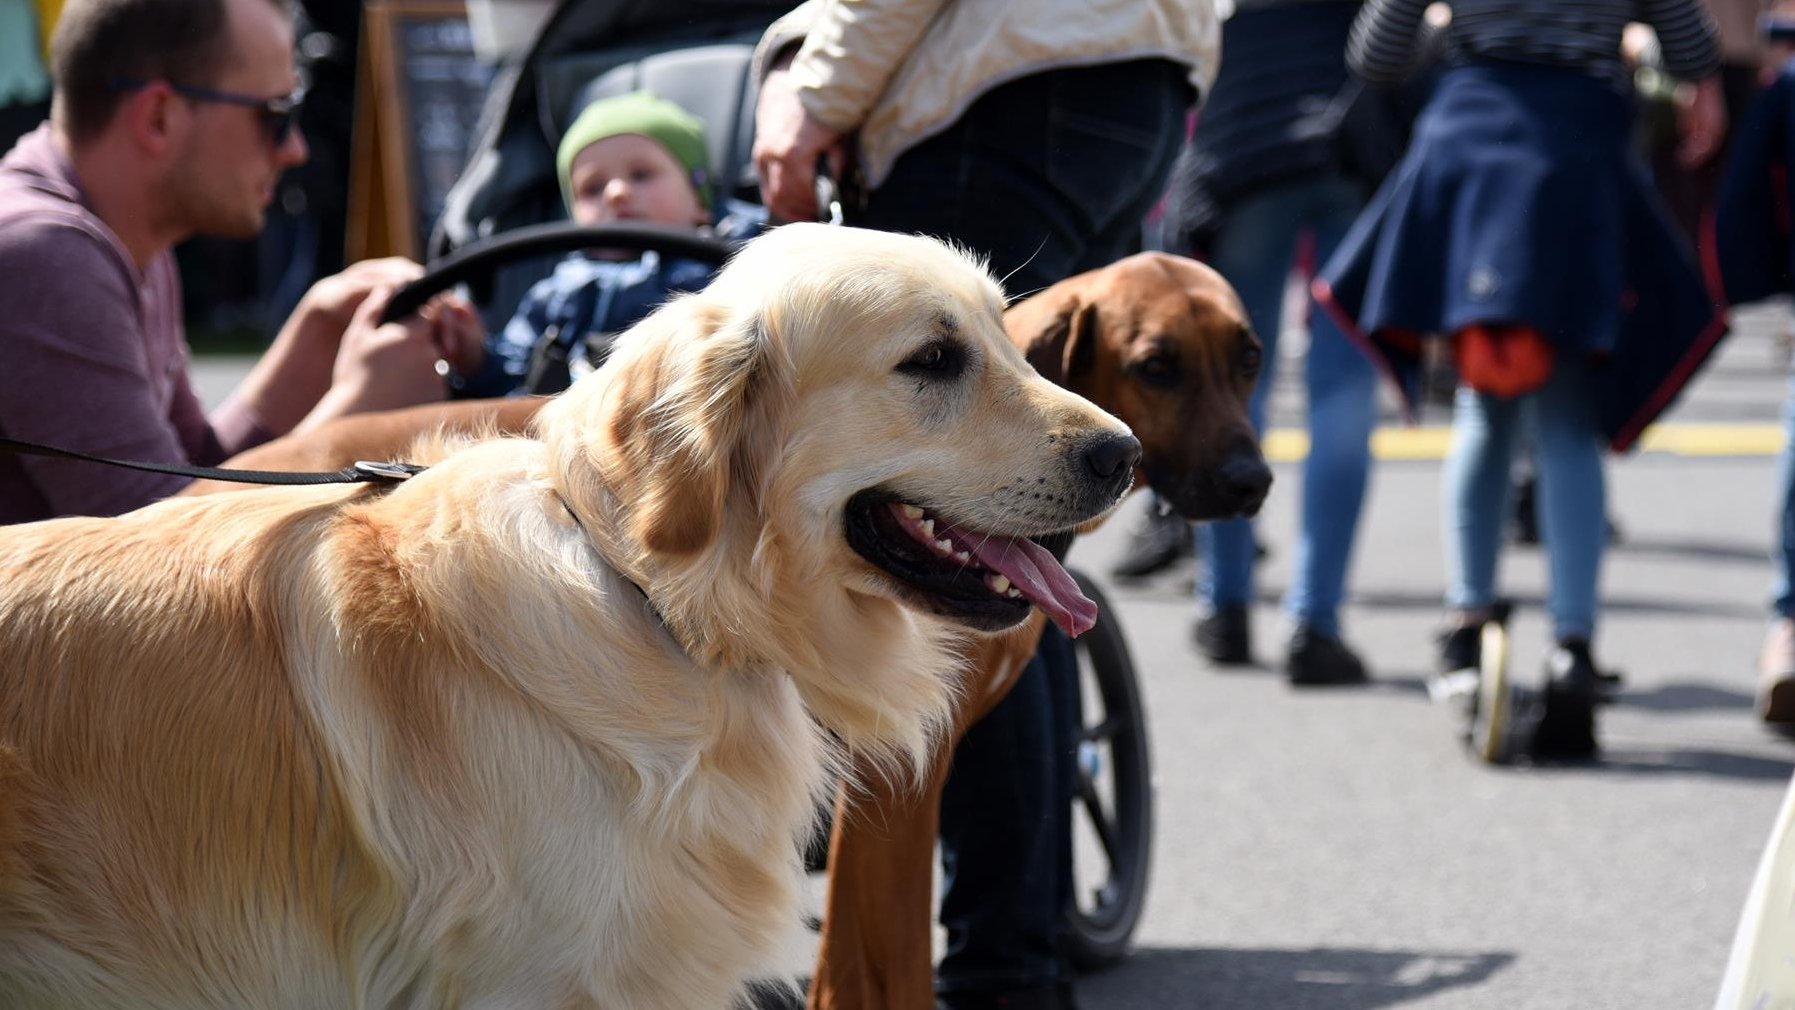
point(1254, 251)
point(1047, 176)
point(1560, 421)
point(1783, 588)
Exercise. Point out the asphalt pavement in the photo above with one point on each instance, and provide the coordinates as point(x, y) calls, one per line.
point(1338, 849)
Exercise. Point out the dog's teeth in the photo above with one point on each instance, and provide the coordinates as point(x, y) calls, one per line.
point(928, 526)
point(944, 545)
point(999, 584)
point(962, 557)
point(912, 512)
point(1014, 593)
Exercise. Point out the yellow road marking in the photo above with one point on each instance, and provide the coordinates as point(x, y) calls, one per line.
point(1288, 445)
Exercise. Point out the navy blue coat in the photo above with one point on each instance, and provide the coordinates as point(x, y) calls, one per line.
point(1521, 202)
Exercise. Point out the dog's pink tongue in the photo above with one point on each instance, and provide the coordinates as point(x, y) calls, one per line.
point(1036, 574)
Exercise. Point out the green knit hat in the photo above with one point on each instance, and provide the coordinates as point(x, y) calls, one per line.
point(641, 112)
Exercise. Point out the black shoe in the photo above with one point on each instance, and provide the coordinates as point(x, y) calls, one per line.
point(1058, 997)
point(1457, 666)
point(1460, 648)
point(1316, 660)
point(1225, 637)
point(1567, 725)
point(1160, 540)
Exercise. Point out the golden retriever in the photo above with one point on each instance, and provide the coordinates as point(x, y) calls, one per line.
point(544, 725)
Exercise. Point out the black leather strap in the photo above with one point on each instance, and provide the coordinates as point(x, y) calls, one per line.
point(359, 472)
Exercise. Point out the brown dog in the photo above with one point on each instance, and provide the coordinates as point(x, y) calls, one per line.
point(1163, 343)
point(1160, 341)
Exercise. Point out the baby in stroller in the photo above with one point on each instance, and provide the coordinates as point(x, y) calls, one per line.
point(633, 157)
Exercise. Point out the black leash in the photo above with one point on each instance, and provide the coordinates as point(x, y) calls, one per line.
point(360, 472)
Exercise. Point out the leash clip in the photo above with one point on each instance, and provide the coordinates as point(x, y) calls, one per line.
point(386, 471)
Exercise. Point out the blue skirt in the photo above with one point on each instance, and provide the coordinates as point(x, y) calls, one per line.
point(1521, 202)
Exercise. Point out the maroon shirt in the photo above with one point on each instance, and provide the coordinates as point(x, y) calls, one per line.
point(93, 356)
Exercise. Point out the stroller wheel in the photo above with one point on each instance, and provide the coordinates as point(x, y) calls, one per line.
point(1502, 712)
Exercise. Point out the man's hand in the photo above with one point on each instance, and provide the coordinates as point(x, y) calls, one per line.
point(332, 302)
point(458, 333)
point(381, 366)
point(787, 144)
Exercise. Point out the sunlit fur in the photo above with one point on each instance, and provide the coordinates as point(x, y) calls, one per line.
point(432, 746)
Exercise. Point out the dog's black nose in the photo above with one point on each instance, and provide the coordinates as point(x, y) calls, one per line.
point(1112, 456)
point(1245, 478)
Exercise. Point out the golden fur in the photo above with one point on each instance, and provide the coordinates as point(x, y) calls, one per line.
point(432, 746)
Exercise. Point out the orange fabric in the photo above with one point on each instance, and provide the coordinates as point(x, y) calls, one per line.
point(47, 13)
point(1502, 360)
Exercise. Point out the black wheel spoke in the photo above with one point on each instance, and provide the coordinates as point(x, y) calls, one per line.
point(1104, 731)
point(1100, 821)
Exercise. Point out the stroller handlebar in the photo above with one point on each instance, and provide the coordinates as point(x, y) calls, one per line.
point(480, 259)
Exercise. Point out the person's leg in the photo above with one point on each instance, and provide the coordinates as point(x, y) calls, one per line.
point(1252, 251)
point(1342, 394)
point(1572, 503)
point(1036, 180)
point(1474, 485)
point(1000, 853)
point(1572, 498)
point(1776, 659)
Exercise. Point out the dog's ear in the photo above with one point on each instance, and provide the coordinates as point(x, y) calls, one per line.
point(1058, 337)
point(675, 419)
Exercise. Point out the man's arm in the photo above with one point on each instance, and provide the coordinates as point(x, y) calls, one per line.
point(852, 51)
point(294, 373)
point(817, 90)
point(77, 371)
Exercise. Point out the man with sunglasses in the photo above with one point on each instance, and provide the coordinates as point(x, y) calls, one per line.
point(171, 118)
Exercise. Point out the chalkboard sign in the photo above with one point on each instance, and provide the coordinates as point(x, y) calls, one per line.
point(418, 98)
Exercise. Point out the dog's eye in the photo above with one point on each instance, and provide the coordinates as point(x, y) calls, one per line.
point(1158, 370)
point(1251, 359)
point(940, 359)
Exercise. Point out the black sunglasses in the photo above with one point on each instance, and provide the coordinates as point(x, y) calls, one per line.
point(277, 114)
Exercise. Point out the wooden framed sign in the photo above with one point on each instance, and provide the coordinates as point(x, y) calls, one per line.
point(420, 89)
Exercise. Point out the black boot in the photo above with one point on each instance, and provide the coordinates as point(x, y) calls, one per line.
point(1318, 660)
point(1567, 725)
point(1225, 637)
point(1160, 540)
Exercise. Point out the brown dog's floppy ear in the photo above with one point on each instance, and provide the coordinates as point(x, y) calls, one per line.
point(675, 419)
point(1060, 340)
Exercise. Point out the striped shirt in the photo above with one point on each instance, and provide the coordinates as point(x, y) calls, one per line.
point(1578, 34)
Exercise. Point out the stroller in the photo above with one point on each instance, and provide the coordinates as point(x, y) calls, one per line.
point(503, 227)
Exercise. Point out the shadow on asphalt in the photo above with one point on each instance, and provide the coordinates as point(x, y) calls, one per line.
point(1696, 761)
point(1699, 550)
point(1429, 601)
point(1328, 978)
point(1686, 697)
point(1685, 606)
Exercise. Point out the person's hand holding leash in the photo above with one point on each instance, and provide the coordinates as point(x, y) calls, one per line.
point(787, 143)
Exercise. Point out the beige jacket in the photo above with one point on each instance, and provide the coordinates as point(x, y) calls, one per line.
point(900, 71)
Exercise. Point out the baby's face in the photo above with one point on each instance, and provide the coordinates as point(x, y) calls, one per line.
point(629, 177)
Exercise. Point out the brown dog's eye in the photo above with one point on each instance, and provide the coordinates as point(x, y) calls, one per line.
point(1158, 370)
point(940, 359)
point(1250, 361)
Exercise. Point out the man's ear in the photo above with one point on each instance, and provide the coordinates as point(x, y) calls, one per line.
point(1059, 338)
point(675, 422)
point(152, 115)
